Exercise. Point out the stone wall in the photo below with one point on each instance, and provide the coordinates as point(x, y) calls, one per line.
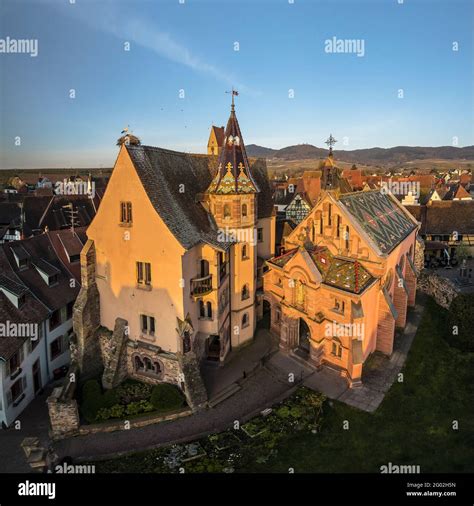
point(419, 259)
point(62, 407)
point(86, 317)
point(114, 354)
point(192, 384)
point(443, 290)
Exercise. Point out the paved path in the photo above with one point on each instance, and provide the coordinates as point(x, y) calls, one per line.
point(34, 422)
point(248, 359)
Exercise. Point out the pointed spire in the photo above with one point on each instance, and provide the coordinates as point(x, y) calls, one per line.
point(233, 173)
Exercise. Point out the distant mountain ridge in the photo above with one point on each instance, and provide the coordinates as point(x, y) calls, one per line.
point(374, 156)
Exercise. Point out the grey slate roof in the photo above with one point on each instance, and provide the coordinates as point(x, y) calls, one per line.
point(163, 172)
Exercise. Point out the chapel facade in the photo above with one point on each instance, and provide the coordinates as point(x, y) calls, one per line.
point(345, 278)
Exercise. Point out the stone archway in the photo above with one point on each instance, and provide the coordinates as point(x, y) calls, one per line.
point(304, 336)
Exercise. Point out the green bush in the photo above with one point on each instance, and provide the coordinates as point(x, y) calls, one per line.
point(133, 391)
point(110, 398)
point(91, 400)
point(166, 397)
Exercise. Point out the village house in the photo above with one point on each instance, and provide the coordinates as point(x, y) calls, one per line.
point(345, 279)
point(172, 267)
point(39, 282)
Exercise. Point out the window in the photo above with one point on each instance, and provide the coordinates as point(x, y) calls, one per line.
point(145, 365)
point(23, 263)
point(204, 268)
point(245, 320)
point(13, 367)
point(346, 237)
point(15, 395)
point(338, 226)
point(244, 210)
point(244, 252)
point(143, 274)
point(52, 280)
point(330, 214)
point(56, 348)
point(339, 306)
point(226, 211)
point(336, 348)
point(245, 292)
point(147, 324)
point(300, 293)
point(260, 234)
point(69, 309)
point(126, 213)
point(55, 319)
point(205, 310)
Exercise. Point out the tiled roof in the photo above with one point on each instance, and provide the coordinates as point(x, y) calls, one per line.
point(39, 248)
point(219, 133)
point(342, 273)
point(162, 172)
point(12, 286)
point(233, 174)
point(380, 216)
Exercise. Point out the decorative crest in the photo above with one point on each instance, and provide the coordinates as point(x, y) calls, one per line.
point(330, 142)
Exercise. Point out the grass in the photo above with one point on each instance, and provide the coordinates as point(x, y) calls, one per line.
point(414, 424)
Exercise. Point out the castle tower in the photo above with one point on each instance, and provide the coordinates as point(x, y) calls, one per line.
point(233, 203)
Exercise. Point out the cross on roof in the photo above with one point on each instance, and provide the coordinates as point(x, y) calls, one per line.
point(330, 142)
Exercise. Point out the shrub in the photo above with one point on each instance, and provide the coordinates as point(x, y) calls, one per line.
point(110, 398)
point(133, 391)
point(166, 397)
point(91, 400)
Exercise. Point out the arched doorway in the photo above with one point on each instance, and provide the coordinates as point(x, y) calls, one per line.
point(304, 336)
point(266, 317)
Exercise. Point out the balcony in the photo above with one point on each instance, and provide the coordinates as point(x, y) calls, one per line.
point(201, 286)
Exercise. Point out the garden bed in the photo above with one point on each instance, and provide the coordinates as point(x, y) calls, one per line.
point(129, 400)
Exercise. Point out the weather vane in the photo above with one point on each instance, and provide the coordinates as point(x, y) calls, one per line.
point(235, 93)
point(330, 142)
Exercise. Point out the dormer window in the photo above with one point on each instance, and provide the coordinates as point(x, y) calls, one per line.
point(15, 292)
point(48, 272)
point(22, 257)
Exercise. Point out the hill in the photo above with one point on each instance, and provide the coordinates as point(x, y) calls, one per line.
point(374, 156)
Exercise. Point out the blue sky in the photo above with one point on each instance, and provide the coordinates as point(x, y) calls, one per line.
point(190, 47)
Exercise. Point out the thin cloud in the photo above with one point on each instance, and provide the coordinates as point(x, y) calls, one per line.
point(146, 34)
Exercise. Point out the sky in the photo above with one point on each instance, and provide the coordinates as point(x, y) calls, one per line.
point(163, 67)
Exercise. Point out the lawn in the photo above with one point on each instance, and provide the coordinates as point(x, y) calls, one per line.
point(413, 425)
